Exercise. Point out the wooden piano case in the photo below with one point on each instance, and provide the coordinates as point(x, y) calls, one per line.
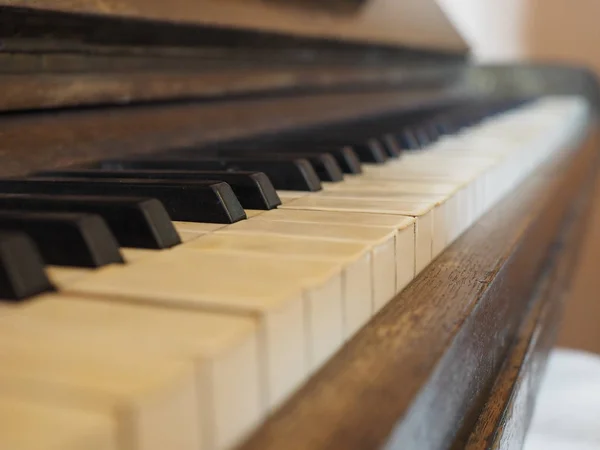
point(455, 359)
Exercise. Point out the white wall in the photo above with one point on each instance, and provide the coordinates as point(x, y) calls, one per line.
point(565, 30)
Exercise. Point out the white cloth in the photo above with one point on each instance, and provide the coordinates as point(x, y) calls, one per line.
point(567, 413)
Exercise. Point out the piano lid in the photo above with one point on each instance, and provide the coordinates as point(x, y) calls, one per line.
point(413, 24)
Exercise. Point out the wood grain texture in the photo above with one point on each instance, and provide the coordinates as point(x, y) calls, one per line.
point(419, 373)
point(38, 141)
point(43, 89)
point(505, 417)
point(412, 23)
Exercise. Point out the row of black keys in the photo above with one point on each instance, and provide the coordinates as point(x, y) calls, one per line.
point(80, 217)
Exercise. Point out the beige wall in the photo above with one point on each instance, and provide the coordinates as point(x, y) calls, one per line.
point(567, 30)
point(556, 30)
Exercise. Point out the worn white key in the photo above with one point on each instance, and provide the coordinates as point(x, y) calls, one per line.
point(197, 227)
point(250, 213)
point(355, 257)
point(281, 297)
point(223, 350)
point(404, 225)
point(288, 196)
point(440, 216)
point(382, 243)
point(409, 187)
point(423, 212)
point(31, 425)
point(153, 405)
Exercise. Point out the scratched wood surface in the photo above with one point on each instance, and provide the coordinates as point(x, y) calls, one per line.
point(419, 374)
point(504, 419)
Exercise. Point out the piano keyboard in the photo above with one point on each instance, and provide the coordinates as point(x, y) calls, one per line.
point(175, 301)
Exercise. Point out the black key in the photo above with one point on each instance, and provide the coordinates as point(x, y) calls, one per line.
point(346, 158)
point(408, 139)
point(295, 175)
point(370, 151)
point(66, 239)
point(390, 145)
point(423, 136)
point(192, 201)
point(324, 164)
point(21, 268)
point(253, 189)
point(290, 175)
point(135, 222)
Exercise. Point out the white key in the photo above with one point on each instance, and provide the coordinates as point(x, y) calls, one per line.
point(405, 237)
point(382, 243)
point(153, 405)
point(31, 425)
point(440, 216)
point(423, 212)
point(280, 296)
point(197, 227)
point(355, 257)
point(223, 350)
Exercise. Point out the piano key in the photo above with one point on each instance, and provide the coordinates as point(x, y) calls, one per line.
point(423, 212)
point(446, 209)
point(254, 212)
point(354, 256)
point(282, 295)
point(292, 174)
point(202, 201)
point(22, 272)
point(287, 196)
point(382, 242)
point(32, 425)
point(404, 226)
point(253, 189)
point(222, 350)
point(391, 146)
point(66, 239)
point(135, 222)
point(197, 227)
point(407, 139)
point(152, 404)
point(369, 151)
point(406, 186)
point(346, 158)
point(324, 164)
point(61, 276)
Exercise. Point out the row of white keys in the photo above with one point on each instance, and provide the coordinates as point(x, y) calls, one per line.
point(278, 294)
point(167, 378)
point(344, 255)
point(473, 176)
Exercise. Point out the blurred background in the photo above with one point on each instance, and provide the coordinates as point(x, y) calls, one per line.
point(546, 30)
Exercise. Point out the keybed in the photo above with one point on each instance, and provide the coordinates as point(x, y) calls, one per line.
point(232, 276)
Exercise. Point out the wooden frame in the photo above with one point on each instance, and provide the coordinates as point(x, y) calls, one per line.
point(410, 23)
point(420, 374)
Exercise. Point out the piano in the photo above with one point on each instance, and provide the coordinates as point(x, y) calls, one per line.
point(278, 224)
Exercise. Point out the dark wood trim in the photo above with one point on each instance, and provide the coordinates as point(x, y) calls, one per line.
point(504, 419)
point(67, 24)
point(418, 375)
point(42, 141)
point(46, 90)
